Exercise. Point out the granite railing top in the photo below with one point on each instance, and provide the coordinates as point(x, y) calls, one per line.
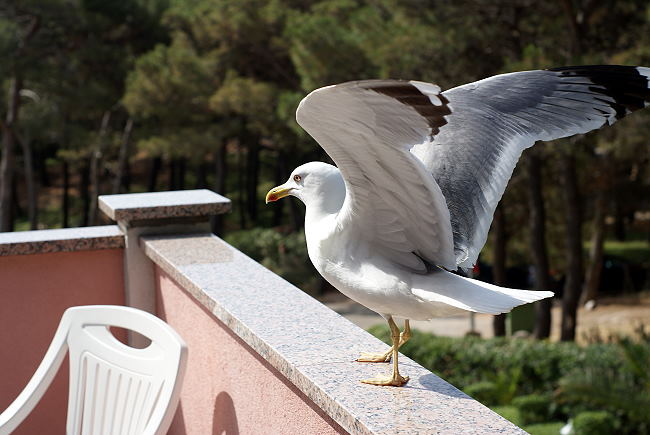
point(61, 240)
point(314, 347)
point(163, 205)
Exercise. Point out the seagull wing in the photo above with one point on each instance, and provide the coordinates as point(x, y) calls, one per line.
point(493, 120)
point(367, 128)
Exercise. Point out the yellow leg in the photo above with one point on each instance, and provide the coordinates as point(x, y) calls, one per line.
point(386, 356)
point(395, 379)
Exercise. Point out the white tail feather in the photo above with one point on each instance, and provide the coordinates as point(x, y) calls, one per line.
point(472, 295)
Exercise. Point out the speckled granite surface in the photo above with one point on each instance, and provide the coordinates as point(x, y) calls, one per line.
point(61, 240)
point(314, 347)
point(162, 205)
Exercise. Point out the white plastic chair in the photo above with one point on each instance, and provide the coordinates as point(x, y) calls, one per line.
point(114, 388)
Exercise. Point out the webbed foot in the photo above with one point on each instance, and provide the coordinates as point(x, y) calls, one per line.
point(392, 381)
point(375, 357)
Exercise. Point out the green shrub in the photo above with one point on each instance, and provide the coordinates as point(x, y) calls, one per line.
point(510, 413)
point(533, 408)
point(468, 360)
point(594, 423)
point(606, 376)
point(622, 389)
point(552, 428)
point(485, 392)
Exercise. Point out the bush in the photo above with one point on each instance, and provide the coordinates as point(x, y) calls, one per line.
point(510, 413)
point(606, 376)
point(552, 428)
point(533, 408)
point(468, 360)
point(594, 423)
point(621, 389)
point(485, 392)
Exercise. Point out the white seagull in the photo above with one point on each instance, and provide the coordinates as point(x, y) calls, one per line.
point(419, 173)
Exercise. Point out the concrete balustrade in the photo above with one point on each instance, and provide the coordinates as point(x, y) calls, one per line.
point(42, 273)
point(264, 357)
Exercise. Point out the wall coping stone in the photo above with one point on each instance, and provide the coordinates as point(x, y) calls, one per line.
point(61, 240)
point(314, 347)
point(150, 207)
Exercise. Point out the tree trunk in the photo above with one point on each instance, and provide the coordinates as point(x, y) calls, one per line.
point(220, 168)
point(7, 165)
point(16, 208)
point(538, 245)
point(123, 158)
point(242, 187)
point(202, 176)
point(499, 266)
point(280, 175)
point(156, 163)
point(573, 283)
point(592, 282)
point(95, 167)
point(84, 191)
point(66, 194)
point(252, 170)
point(620, 230)
point(181, 166)
point(41, 169)
point(30, 182)
point(171, 174)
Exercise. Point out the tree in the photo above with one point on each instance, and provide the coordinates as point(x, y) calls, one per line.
point(17, 27)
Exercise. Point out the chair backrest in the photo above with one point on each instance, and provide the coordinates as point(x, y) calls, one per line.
point(115, 388)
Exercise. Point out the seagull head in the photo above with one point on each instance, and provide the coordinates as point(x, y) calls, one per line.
point(314, 183)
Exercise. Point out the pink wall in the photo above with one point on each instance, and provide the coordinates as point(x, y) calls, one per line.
point(35, 290)
point(228, 388)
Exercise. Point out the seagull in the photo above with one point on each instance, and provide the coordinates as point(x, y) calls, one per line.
point(418, 175)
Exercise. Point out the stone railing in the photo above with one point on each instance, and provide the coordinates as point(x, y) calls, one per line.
point(264, 357)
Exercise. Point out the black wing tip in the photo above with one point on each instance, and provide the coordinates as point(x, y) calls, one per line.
point(626, 85)
point(595, 69)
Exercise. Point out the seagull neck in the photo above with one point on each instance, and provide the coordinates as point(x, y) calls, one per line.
point(316, 211)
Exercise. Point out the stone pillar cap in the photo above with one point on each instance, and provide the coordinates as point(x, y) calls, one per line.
point(152, 206)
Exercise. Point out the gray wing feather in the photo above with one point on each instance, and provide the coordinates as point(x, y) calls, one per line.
point(493, 120)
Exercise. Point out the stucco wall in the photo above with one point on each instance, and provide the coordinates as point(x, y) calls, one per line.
point(228, 387)
point(35, 290)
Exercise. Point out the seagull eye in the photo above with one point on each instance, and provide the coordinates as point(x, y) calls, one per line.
point(297, 178)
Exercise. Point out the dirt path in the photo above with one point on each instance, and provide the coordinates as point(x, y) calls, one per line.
point(611, 316)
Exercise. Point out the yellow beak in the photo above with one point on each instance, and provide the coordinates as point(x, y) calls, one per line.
point(277, 193)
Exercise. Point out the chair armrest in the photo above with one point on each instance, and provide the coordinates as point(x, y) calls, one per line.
point(38, 384)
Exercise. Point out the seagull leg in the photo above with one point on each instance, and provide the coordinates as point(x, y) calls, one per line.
point(395, 379)
point(386, 356)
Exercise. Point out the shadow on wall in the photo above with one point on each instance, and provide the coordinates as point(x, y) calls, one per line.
point(224, 419)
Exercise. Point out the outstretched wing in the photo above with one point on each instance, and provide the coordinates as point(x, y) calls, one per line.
point(493, 120)
point(368, 128)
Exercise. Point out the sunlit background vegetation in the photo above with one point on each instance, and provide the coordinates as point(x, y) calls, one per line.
point(103, 97)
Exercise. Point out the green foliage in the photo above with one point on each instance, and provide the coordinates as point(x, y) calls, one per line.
point(485, 392)
point(499, 390)
point(463, 361)
point(555, 380)
point(534, 408)
point(170, 83)
point(323, 46)
point(635, 251)
point(622, 389)
point(552, 428)
point(509, 412)
point(513, 414)
point(594, 423)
